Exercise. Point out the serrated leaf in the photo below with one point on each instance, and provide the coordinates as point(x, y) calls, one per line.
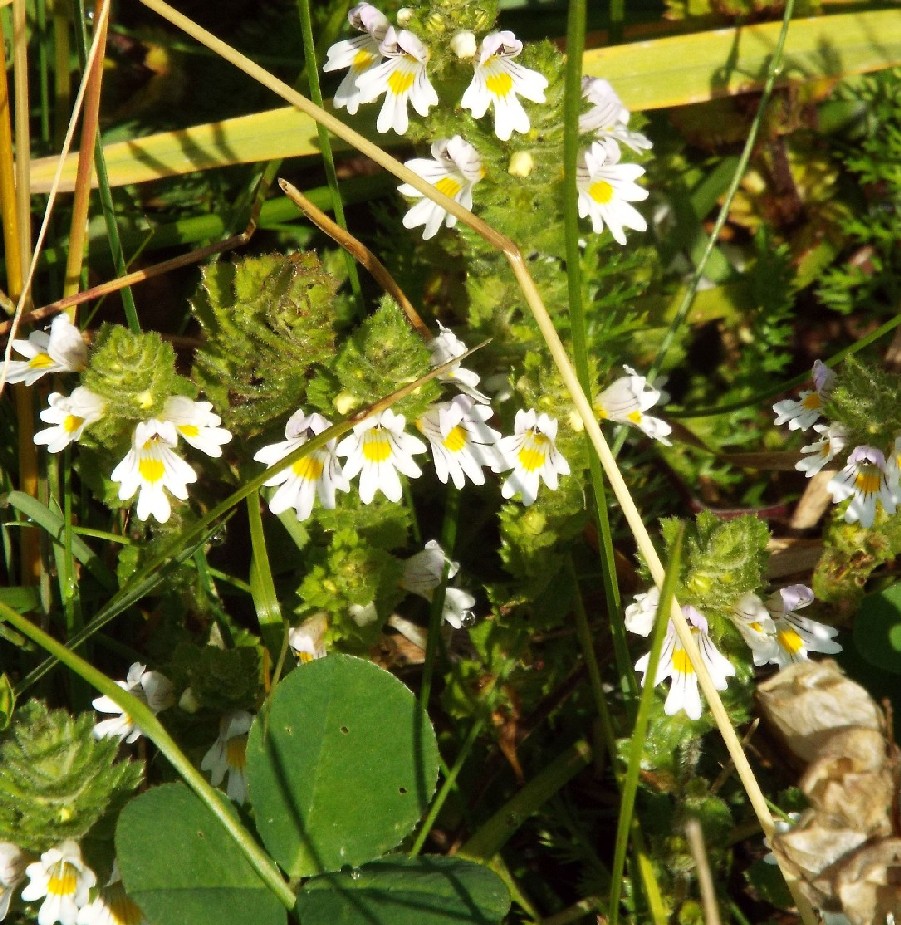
point(180, 865)
point(340, 767)
point(406, 891)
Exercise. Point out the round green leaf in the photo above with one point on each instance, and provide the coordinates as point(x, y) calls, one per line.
point(406, 891)
point(340, 767)
point(180, 865)
point(877, 629)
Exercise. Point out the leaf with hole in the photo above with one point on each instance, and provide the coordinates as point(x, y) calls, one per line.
point(340, 767)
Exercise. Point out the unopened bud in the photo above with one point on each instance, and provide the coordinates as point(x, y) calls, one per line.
point(521, 164)
point(463, 45)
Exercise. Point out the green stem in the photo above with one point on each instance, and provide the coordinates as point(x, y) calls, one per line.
point(153, 729)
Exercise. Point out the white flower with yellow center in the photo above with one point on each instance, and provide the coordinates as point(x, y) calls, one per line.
point(228, 755)
point(865, 481)
point(606, 188)
point(197, 424)
point(151, 468)
point(69, 415)
point(402, 78)
point(753, 621)
point(359, 55)
point(12, 870)
point(453, 169)
point(797, 635)
point(63, 880)
point(627, 399)
point(318, 474)
point(675, 664)
point(800, 414)
point(500, 81)
point(377, 449)
point(305, 640)
point(150, 687)
point(112, 906)
point(823, 451)
point(61, 351)
point(444, 348)
point(532, 455)
point(608, 118)
point(462, 443)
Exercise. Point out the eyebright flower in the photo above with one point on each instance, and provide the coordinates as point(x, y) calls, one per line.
point(753, 621)
point(893, 471)
point(60, 351)
point(402, 78)
point(377, 449)
point(12, 870)
point(454, 168)
point(112, 906)
point(443, 349)
point(318, 474)
point(532, 455)
point(64, 881)
point(824, 450)
point(228, 754)
point(608, 118)
point(462, 443)
point(675, 664)
point(865, 481)
point(305, 641)
point(800, 414)
point(360, 55)
point(423, 573)
point(797, 635)
point(197, 424)
point(151, 467)
point(606, 188)
point(457, 609)
point(69, 415)
point(642, 612)
point(150, 687)
point(627, 399)
point(499, 80)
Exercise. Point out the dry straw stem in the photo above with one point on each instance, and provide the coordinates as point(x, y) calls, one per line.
point(558, 352)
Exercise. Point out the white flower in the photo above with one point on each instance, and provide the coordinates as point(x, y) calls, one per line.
point(69, 415)
point(453, 169)
point(363, 614)
point(12, 870)
point(457, 609)
point(229, 754)
point(675, 664)
point(462, 443)
point(444, 348)
point(627, 399)
point(149, 687)
point(306, 640)
point(196, 422)
point(807, 409)
point(378, 449)
point(757, 628)
point(797, 635)
point(607, 117)
point(402, 78)
point(151, 467)
point(64, 879)
point(823, 451)
point(642, 612)
point(499, 80)
point(318, 474)
point(865, 481)
point(60, 351)
point(532, 455)
point(112, 906)
point(893, 471)
point(424, 571)
point(606, 188)
point(360, 55)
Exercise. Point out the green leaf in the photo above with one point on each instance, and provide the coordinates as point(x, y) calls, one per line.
point(877, 629)
point(341, 767)
point(406, 891)
point(180, 865)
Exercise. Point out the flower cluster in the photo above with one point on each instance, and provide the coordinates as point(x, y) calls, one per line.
point(775, 633)
point(393, 61)
point(871, 475)
point(65, 885)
